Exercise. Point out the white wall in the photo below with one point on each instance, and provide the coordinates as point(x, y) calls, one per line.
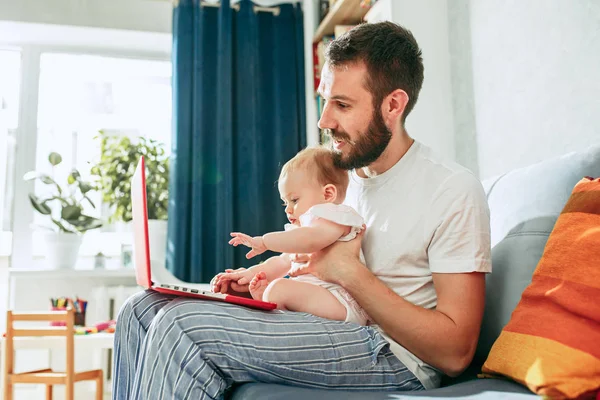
point(140, 15)
point(431, 121)
point(535, 80)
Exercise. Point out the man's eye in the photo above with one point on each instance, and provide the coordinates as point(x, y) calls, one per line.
point(342, 105)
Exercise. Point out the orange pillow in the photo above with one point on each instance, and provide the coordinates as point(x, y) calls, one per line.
point(552, 342)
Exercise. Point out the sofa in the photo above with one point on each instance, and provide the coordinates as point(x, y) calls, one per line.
point(524, 205)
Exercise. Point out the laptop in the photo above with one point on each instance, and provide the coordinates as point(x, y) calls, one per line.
point(141, 250)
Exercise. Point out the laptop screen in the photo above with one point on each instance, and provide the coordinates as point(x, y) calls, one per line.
point(141, 247)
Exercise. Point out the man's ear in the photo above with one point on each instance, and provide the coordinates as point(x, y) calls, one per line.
point(330, 193)
point(394, 105)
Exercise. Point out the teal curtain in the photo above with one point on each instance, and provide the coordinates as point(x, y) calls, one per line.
point(238, 97)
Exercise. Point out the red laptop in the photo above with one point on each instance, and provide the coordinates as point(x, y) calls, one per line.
point(141, 250)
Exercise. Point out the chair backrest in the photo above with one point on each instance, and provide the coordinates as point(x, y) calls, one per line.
point(65, 318)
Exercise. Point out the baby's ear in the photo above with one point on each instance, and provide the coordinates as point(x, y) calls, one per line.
point(330, 192)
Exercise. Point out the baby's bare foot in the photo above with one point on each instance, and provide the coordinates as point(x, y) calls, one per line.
point(258, 284)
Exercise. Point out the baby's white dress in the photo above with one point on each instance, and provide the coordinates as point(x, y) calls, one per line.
point(343, 215)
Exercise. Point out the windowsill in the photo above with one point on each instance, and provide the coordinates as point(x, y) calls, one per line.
point(109, 243)
point(72, 273)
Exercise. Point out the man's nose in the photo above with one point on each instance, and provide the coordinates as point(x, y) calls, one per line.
point(327, 120)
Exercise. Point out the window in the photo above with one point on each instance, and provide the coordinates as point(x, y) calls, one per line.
point(10, 78)
point(82, 94)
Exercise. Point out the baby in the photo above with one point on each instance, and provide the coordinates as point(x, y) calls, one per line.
point(312, 190)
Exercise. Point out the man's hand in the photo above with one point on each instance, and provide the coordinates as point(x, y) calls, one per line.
point(298, 259)
point(223, 282)
point(256, 243)
point(333, 262)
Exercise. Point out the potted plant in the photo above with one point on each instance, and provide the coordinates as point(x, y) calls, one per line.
point(64, 207)
point(118, 160)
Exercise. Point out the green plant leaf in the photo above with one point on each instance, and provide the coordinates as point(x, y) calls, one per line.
point(118, 160)
point(55, 159)
point(47, 179)
point(31, 175)
point(59, 198)
point(85, 187)
point(92, 223)
point(85, 222)
point(89, 201)
point(40, 207)
point(61, 227)
point(70, 212)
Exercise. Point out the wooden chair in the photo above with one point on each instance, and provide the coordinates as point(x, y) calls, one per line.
point(46, 376)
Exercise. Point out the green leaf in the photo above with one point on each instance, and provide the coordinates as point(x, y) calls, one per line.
point(90, 201)
point(62, 200)
point(118, 159)
point(61, 227)
point(54, 158)
point(42, 208)
point(31, 175)
point(85, 187)
point(85, 222)
point(47, 179)
point(91, 224)
point(70, 212)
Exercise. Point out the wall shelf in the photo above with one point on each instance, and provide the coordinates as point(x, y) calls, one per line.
point(343, 12)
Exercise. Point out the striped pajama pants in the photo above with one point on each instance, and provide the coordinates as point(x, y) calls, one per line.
point(170, 347)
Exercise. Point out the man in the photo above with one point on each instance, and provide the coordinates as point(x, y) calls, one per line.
point(426, 248)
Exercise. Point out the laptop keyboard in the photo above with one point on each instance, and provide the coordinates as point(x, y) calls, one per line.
point(182, 289)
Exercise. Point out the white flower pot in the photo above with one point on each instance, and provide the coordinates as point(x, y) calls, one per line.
point(157, 232)
point(62, 249)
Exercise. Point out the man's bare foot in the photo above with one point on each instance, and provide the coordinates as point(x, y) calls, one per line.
point(258, 284)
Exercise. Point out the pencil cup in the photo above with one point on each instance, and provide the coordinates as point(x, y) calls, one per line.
point(79, 317)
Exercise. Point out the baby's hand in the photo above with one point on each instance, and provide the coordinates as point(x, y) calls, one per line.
point(237, 279)
point(256, 243)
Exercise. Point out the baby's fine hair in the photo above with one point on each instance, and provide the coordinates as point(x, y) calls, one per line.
point(318, 160)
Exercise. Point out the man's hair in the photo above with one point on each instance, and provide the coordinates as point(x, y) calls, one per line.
point(318, 161)
point(391, 55)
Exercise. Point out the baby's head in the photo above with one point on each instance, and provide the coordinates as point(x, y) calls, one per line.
point(310, 178)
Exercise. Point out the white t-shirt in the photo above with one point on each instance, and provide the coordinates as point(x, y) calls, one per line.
point(341, 214)
point(423, 215)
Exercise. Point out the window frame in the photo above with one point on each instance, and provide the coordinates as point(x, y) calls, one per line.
point(32, 40)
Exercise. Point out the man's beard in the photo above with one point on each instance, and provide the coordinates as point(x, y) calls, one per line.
point(367, 148)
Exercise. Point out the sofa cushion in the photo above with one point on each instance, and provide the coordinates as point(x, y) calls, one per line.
point(539, 190)
point(551, 341)
point(477, 389)
point(524, 205)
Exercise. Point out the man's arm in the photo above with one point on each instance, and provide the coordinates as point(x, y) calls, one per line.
point(458, 255)
point(444, 337)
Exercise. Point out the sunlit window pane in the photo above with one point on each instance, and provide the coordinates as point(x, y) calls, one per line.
point(10, 74)
point(82, 94)
point(10, 78)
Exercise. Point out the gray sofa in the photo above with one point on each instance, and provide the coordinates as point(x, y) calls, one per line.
point(524, 205)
